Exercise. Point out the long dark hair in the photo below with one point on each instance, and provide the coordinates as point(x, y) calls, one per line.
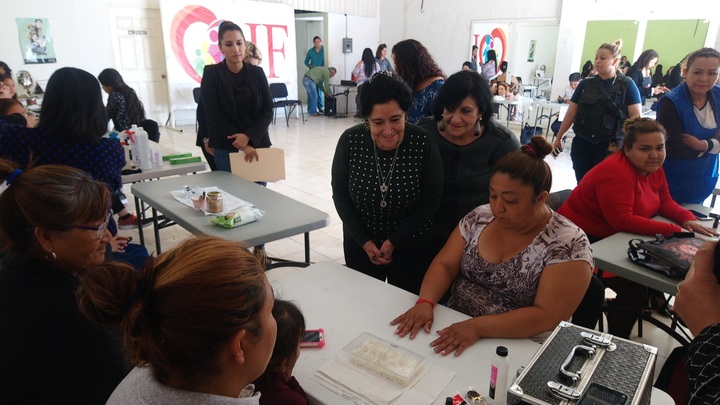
point(72, 107)
point(413, 62)
point(113, 79)
point(369, 62)
point(378, 53)
point(644, 59)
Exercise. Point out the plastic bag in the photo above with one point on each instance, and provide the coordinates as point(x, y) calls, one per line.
point(242, 216)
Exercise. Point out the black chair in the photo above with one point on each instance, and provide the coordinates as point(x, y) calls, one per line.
point(152, 128)
point(196, 96)
point(279, 94)
point(590, 309)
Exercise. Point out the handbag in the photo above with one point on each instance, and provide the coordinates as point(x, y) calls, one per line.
point(528, 132)
point(670, 255)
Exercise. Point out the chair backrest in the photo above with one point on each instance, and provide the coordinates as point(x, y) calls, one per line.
point(557, 198)
point(196, 94)
point(152, 128)
point(589, 311)
point(278, 90)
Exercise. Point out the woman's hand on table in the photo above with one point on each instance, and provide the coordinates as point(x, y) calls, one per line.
point(239, 141)
point(250, 154)
point(456, 338)
point(417, 317)
point(693, 143)
point(374, 254)
point(698, 227)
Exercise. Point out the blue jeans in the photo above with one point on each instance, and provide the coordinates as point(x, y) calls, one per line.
point(222, 159)
point(312, 93)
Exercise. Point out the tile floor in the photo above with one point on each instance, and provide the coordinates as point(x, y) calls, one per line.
point(309, 149)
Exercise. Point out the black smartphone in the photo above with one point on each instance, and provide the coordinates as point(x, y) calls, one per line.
point(597, 394)
point(698, 214)
point(313, 338)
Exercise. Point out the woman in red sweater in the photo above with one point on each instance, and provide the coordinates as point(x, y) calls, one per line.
point(622, 194)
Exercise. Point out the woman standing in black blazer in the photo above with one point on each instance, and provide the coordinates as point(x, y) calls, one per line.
point(237, 101)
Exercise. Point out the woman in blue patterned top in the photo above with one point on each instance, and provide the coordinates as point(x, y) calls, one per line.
point(415, 65)
point(123, 106)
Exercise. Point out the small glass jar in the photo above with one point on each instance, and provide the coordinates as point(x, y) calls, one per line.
point(214, 202)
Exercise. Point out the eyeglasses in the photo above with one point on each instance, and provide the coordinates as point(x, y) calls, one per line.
point(100, 230)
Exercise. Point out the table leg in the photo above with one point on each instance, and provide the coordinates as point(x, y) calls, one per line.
point(307, 247)
point(140, 208)
point(156, 228)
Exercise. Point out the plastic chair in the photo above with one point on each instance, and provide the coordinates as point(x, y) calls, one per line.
point(152, 128)
point(279, 94)
point(196, 97)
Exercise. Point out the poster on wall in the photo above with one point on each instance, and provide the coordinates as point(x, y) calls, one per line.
point(531, 52)
point(490, 36)
point(36, 42)
point(190, 32)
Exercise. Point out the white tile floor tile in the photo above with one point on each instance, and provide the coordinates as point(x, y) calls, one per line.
point(309, 150)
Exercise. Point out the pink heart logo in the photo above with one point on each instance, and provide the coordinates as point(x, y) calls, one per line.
point(205, 50)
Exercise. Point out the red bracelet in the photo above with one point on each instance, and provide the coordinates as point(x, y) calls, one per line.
point(425, 301)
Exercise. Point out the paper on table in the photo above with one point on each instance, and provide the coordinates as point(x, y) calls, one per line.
point(230, 202)
point(340, 375)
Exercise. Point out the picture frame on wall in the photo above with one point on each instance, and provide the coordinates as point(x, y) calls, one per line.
point(531, 51)
point(36, 40)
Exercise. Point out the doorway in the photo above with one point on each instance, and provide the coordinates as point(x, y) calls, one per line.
point(307, 26)
point(140, 57)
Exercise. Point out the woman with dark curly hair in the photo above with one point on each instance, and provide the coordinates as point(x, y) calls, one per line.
point(470, 143)
point(415, 65)
point(123, 106)
point(387, 184)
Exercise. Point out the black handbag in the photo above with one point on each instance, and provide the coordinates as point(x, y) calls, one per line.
point(670, 255)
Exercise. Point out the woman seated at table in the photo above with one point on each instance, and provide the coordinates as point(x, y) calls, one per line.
point(516, 267)
point(470, 143)
point(73, 122)
point(197, 323)
point(387, 183)
point(53, 227)
point(622, 194)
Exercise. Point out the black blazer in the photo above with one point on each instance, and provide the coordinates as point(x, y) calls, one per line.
point(219, 105)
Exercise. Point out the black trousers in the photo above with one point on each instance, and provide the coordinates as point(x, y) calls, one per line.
point(586, 154)
point(406, 271)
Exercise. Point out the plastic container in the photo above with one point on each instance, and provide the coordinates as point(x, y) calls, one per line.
point(143, 149)
point(214, 202)
point(499, 376)
point(384, 359)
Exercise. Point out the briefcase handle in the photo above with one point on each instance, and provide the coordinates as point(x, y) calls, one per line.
point(590, 351)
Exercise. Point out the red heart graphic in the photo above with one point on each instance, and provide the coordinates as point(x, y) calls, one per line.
point(186, 17)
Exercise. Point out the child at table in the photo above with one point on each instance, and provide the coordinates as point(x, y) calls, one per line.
point(277, 386)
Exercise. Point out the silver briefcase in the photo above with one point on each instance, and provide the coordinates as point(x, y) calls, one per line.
point(576, 361)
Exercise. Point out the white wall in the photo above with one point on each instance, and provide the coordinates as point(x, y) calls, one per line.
point(444, 26)
point(80, 29)
point(364, 32)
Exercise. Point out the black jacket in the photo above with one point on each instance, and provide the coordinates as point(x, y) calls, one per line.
point(221, 112)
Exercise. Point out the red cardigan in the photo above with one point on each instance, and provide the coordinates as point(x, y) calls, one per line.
point(614, 197)
point(275, 389)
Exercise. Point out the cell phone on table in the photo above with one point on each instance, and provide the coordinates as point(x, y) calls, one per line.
point(699, 215)
point(313, 338)
point(597, 394)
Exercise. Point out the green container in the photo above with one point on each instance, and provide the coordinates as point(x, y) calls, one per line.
point(179, 161)
point(176, 156)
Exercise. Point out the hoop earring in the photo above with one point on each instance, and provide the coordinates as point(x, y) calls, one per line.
point(442, 125)
point(367, 125)
point(52, 255)
point(478, 128)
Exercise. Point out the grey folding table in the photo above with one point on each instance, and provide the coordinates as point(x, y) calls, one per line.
point(284, 217)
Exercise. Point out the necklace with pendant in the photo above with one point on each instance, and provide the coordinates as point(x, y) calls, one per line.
point(384, 180)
